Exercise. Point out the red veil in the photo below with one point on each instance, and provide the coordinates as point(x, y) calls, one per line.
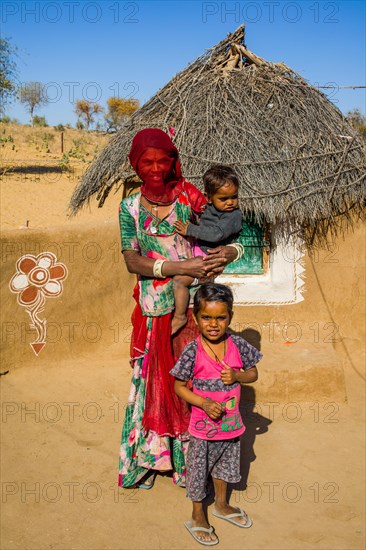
point(164, 191)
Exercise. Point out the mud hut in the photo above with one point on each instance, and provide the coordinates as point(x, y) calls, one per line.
point(301, 165)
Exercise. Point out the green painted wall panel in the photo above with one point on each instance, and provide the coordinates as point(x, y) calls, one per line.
point(252, 238)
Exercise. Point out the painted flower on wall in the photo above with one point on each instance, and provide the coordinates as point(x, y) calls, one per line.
point(36, 278)
point(35, 275)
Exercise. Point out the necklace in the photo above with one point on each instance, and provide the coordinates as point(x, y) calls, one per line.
point(208, 345)
point(156, 203)
point(154, 210)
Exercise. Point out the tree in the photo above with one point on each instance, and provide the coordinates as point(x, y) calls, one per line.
point(8, 72)
point(356, 118)
point(33, 95)
point(119, 110)
point(86, 111)
point(358, 121)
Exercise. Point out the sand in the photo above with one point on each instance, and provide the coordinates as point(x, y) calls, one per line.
point(302, 456)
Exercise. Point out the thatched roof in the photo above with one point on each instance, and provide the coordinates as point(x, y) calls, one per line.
point(298, 159)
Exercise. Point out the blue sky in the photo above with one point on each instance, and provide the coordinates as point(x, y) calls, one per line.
point(95, 50)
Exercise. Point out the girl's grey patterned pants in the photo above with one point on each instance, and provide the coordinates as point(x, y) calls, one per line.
point(219, 458)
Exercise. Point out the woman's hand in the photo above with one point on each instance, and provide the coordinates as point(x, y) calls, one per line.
point(201, 267)
point(194, 267)
point(145, 266)
point(218, 258)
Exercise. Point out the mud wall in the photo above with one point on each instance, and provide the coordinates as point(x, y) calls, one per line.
point(308, 347)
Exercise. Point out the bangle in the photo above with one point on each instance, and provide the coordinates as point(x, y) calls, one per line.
point(158, 264)
point(240, 250)
point(195, 282)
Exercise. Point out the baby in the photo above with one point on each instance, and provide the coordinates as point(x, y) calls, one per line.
point(219, 223)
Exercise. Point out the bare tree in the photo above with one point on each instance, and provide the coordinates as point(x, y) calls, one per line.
point(8, 72)
point(33, 95)
point(86, 111)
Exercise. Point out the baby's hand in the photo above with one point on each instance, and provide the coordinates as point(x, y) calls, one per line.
point(228, 375)
point(181, 227)
point(213, 409)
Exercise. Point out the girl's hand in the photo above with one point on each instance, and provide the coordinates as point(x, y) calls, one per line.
point(181, 227)
point(228, 375)
point(218, 258)
point(213, 409)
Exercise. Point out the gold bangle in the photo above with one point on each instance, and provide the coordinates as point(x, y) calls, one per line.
point(158, 264)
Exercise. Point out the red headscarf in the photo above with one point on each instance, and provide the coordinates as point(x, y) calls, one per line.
point(162, 192)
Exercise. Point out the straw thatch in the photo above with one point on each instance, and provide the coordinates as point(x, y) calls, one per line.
point(299, 161)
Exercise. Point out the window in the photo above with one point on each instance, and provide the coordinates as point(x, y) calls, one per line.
point(254, 238)
point(262, 277)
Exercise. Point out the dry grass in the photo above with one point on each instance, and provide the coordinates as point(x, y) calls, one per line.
point(37, 180)
point(34, 150)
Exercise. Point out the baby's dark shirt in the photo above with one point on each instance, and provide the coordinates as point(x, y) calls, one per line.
point(215, 227)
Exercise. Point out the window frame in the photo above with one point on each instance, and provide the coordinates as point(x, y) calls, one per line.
point(281, 283)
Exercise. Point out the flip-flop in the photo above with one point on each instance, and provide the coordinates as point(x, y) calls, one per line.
point(230, 518)
point(149, 476)
point(193, 530)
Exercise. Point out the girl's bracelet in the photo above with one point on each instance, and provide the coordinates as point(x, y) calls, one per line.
point(158, 264)
point(240, 250)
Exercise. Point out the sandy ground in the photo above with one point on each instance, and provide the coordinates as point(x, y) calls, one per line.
point(60, 432)
point(302, 458)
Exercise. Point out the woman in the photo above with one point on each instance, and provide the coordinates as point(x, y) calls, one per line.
point(154, 435)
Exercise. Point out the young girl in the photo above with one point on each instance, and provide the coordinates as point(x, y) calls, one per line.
point(217, 363)
point(219, 223)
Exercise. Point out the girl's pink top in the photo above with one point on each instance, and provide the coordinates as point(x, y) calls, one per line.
point(206, 375)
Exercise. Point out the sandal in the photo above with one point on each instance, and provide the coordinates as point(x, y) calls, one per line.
point(193, 530)
point(147, 482)
point(231, 518)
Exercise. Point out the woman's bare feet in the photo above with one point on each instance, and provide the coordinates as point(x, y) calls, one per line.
point(178, 322)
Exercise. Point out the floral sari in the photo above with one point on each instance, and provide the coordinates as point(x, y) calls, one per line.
point(155, 429)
